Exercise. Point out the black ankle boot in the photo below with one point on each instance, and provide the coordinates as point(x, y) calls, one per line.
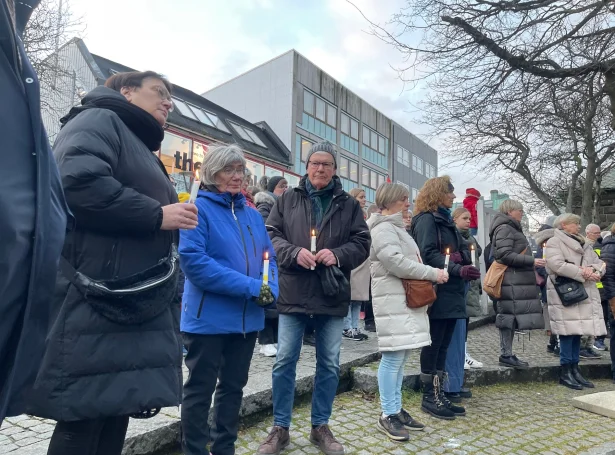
point(566, 378)
point(576, 374)
point(431, 400)
point(457, 410)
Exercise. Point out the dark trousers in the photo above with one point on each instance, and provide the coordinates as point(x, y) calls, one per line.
point(369, 312)
point(269, 335)
point(605, 313)
point(89, 437)
point(611, 320)
point(433, 358)
point(225, 360)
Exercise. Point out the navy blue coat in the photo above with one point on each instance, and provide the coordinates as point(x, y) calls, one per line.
point(33, 220)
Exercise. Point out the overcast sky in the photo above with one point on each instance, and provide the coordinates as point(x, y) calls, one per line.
point(199, 44)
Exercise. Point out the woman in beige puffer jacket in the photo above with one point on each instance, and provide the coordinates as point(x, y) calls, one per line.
point(395, 256)
point(570, 255)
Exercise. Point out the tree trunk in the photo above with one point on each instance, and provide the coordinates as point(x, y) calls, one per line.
point(597, 198)
point(588, 192)
point(571, 191)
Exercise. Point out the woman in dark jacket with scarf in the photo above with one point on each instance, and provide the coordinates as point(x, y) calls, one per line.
point(519, 307)
point(99, 367)
point(436, 235)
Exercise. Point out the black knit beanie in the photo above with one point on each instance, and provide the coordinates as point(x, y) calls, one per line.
point(273, 182)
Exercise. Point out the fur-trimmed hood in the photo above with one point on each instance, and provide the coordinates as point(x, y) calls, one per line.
point(542, 236)
point(264, 197)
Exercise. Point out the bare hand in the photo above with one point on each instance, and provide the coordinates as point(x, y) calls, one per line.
point(540, 262)
point(306, 259)
point(179, 216)
point(586, 272)
point(326, 257)
point(594, 277)
point(442, 276)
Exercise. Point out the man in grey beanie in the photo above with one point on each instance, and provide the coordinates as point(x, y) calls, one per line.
point(317, 205)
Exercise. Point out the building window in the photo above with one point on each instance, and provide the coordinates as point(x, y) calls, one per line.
point(366, 135)
point(200, 115)
point(417, 164)
point(305, 148)
point(403, 156)
point(176, 155)
point(273, 172)
point(415, 194)
point(320, 110)
point(343, 169)
point(331, 115)
point(319, 117)
point(345, 124)
point(354, 171)
point(375, 147)
point(292, 179)
point(350, 134)
point(381, 180)
point(365, 176)
point(430, 171)
point(247, 134)
point(371, 178)
point(184, 109)
point(404, 184)
point(257, 170)
point(308, 102)
point(216, 121)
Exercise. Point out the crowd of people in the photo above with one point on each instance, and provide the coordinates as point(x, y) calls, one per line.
point(143, 277)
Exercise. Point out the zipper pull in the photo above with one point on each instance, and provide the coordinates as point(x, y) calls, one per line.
point(233, 209)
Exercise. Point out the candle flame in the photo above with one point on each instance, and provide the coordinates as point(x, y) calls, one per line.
point(313, 233)
point(472, 247)
point(544, 245)
point(197, 177)
point(448, 251)
point(266, 255)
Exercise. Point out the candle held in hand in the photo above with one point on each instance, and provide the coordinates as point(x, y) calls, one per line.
point(195, 188)
point(313, 246)
point(544, 250)
point(447, 258)
point(266, 269)
point(474, 255)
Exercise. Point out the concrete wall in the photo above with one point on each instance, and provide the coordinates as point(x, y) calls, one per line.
point(263, 93)
point(59, 92)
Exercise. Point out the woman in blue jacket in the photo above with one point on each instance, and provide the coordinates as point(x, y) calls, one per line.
point(222, 305)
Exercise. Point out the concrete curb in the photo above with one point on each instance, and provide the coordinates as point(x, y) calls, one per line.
point(366, 379)
point(152, 439)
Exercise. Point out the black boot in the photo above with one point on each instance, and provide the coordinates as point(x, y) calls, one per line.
point(431, 400)
point(457, 410)
point(576, 374)
point(566, 378)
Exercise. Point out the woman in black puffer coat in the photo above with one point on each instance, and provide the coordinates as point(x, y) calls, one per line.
point(520, 307)
point(99, 370)
point(607, 254)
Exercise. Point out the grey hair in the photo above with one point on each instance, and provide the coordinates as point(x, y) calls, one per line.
point(510, 205)
point(566, 218)
point(217, 158)
point(390, 193)
point(592, 226)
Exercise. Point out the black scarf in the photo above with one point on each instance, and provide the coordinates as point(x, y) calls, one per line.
point(140, 122)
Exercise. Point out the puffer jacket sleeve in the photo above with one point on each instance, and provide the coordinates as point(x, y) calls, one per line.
point(87, 161)
point(354, 252)
point(556, 262)
point(286, 252)
point(388, 249)
point(425, 234)
point(607, 254)
point(207, 273)
point(504, 242)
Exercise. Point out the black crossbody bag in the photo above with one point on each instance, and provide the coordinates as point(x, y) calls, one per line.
point(570, 291)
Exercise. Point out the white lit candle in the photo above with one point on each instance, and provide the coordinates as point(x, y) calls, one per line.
point(544, 250)
point(313, 247)
point(195, 187)
point(474, 255)
point(266, 268)
point(447, 258)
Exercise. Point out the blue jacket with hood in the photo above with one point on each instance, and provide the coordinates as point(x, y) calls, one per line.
point(223, 262)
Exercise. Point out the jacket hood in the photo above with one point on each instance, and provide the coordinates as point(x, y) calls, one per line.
point(542, 236)
point(610, 240)
point(224, 199)
point(473, 192)
point(264, 197)
point(501, 219)
point(572, 242)
point(396, 219)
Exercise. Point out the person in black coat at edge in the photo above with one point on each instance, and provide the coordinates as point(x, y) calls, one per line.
point(34, 215)
point(607, 254)
point(99, 370)
point(264, 200)
point(435, 233)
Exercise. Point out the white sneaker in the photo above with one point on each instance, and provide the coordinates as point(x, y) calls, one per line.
point(472, 363)
point(269, 350)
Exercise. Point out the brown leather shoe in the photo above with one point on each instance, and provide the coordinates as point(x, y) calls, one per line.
point(323, 438)
point(277, 440)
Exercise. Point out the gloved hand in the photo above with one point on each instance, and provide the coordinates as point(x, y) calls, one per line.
point(469, 273)
point(456, 257)
point(266, 297)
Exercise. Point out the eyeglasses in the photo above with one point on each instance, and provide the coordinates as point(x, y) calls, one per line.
point(164, 95)
point(316, 165)
point(231, 171)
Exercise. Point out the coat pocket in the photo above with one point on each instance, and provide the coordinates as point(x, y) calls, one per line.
point(201, 303)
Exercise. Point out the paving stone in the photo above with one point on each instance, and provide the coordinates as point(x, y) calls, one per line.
point(602, 403)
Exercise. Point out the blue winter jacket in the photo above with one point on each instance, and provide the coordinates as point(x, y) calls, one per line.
point(223, 262)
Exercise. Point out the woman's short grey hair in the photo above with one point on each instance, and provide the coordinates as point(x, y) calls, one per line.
point(566, 218)
point(510, 205)
point(389, 193)
point(217, 158)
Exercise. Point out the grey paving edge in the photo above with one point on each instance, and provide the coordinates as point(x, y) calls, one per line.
point(366, 378)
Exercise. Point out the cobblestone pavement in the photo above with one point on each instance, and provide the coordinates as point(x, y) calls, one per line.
point(522, 419)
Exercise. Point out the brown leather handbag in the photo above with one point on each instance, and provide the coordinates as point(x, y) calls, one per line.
point(492, 284)
point(419, 293)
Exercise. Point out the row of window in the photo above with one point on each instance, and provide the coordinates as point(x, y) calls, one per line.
point(210, 119)
point(405, 157)
point(319, 108)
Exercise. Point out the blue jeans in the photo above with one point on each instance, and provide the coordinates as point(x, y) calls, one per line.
point(569, 347)
point(456, 358)
point(351, 321)
point(328, 333)
point(390, 379)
